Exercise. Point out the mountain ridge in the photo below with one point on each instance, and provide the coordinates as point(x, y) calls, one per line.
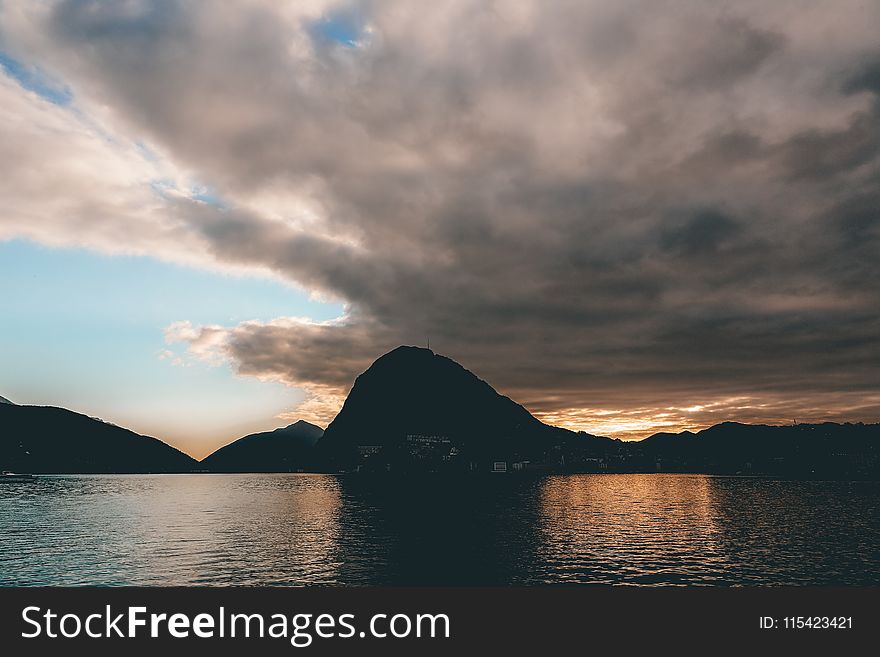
point(54, 440)
point(415, 409)
point(285, 449)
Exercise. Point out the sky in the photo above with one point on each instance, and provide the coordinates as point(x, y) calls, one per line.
point(630, 217)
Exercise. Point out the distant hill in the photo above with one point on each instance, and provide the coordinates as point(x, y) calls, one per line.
point(3, 400)
point(283, 450)
point(827, 449)
point(413, 403)
point(45, 439)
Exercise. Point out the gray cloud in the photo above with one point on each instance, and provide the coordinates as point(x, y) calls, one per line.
point(721, 52)
point(866, 78)
point(621, 206)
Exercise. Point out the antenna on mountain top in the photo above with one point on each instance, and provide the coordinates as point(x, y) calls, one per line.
point(428, 340)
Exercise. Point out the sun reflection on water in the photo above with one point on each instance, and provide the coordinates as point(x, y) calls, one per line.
point(637, 529)
point(288, 529)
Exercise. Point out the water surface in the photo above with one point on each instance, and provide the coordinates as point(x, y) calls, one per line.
point(324, 529)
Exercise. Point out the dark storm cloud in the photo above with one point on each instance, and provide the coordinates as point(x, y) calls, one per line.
point(593, 205)
point(821, 154)
point(866, 78)
point(717, 55)
point(702, 234)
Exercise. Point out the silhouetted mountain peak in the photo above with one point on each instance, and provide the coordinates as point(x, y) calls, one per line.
point(302, 424)
point(413, 361)
point(667, 437)
point(730, 424)
point(3, 400)
point(406, 352)
point(301, 429)
point(412, 394)
point(281, 450)
point(406, 366)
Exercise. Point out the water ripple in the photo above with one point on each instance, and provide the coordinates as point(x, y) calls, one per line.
point(640, 530)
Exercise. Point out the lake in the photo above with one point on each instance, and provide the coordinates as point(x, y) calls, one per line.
point(296, 529)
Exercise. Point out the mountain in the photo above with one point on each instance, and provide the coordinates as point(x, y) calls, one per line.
point(412, 404)
point(283, 450)
point(828, 449)
point(45, 439)
point(3, 400)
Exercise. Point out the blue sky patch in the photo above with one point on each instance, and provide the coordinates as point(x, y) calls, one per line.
point(207, 195)
point(34, 79)
point(344, 27)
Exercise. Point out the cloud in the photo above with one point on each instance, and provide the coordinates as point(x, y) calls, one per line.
point(597, 206)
